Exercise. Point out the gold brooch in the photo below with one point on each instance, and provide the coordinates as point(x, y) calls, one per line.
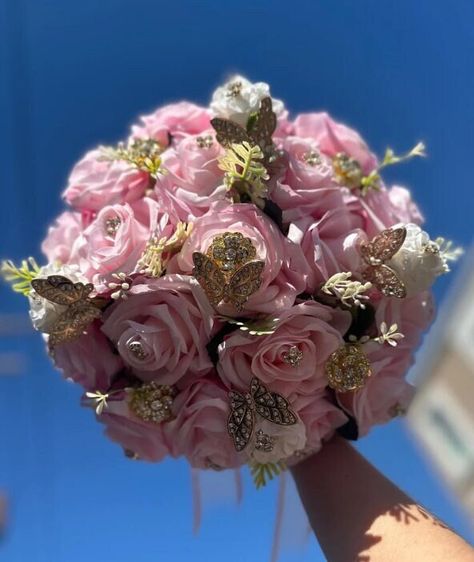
point(269, 405)
point(152, 402)
point(347, 368)
point(375, 253)
point(228, 271)
point(80, 309)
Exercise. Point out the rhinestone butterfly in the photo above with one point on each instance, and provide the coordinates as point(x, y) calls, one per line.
point(228, 271)
point(376, 253)
point(259, 130)
point(260, 401)
point(80, 312)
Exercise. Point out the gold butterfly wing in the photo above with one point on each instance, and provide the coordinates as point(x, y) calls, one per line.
point(72, 323)
point(228, 132)
point(243, 283)
point(384, 246)
point(60, 290)
point(264, 125)
point(210, 277)
point(241, 422)
point(271, 405)
point(386, 280)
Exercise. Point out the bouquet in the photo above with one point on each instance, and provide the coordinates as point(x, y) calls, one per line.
point(233, 286)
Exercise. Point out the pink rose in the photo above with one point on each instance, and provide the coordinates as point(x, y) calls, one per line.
point(405, 210)
point(89, 360)
point(193, 179)
point(177, 119)
point(387, 388)
point(161, 330)
point(308, 187)
point(136, 436)
point(386, 207)
point(332, 138)
point(321, 418)
point(280, 284)
point(116, 239)
point(61, 235)
point(312, 330)
point(96, 182)
point(330, 244)
point(199, 431)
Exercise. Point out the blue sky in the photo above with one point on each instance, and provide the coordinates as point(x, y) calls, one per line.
point(75, 74)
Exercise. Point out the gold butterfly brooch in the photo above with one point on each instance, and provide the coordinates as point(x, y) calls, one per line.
point(260, 401)
point(379, 251)
point(229, 271)
point(260, 128)
point(80, 309)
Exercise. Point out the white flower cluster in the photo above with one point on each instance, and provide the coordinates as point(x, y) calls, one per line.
point(238, 98)
point(419, 261)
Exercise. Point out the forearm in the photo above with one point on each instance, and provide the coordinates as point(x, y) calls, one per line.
point(358, 514)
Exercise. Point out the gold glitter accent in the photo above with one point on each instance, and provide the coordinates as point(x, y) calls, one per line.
point(152, 402)
point(348, 368)
point(205, 142)
point(312, 158)
point(234, 89)
point(347, 170)
point(293, 356)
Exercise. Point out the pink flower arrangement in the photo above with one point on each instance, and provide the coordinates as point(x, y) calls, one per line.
point(234, 286)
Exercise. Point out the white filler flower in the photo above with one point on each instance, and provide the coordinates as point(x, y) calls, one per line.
point(238, 98)
point(419, 261)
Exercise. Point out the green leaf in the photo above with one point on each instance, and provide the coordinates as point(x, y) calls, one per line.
point(263, 472)
point(20, 278)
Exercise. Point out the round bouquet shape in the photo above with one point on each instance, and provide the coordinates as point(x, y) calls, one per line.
point(234, 286)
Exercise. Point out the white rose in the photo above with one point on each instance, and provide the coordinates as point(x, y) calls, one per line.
point(419, 260)
point(238, 98)
point(285, 441)
point(44, 313)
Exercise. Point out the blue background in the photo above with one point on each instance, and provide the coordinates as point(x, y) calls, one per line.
point(75, 74)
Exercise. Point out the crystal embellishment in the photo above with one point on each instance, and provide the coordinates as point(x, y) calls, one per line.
point(348, 368)
point(234, 89)
point(231, 250)
point(205, 142)
point(347, 170)
point(293, 356)
point(264, 442)
point(152, 402)
point(312, 158)
point(112, 224)
point(137, 349)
